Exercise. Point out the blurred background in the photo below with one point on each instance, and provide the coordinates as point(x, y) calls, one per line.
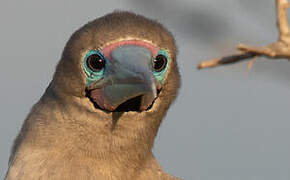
point(226, 124)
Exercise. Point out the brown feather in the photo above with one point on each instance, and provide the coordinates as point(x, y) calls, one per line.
point(66, 137)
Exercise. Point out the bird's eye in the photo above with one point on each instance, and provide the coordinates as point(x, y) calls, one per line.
point(95, 62)
point(159, 63)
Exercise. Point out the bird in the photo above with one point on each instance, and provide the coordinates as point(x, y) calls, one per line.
point(98, 118)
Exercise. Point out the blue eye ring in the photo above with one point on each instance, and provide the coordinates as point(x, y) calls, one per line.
point(94, 65)
point(161, 70)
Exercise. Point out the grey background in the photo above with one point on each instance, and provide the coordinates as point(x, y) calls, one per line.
point(227, 123)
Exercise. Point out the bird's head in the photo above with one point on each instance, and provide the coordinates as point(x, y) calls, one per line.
point(121, 62)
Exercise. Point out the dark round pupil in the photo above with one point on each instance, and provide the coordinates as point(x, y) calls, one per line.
point(159, 63)
point(95, 62)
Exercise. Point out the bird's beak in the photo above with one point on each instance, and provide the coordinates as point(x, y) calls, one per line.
point(128, 83)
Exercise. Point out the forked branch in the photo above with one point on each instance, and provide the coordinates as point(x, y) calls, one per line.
point(279, 49)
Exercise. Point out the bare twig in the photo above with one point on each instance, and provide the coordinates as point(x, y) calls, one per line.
point(279, 49)
point(282, 23)
point(225, 60)
point(251, 63)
